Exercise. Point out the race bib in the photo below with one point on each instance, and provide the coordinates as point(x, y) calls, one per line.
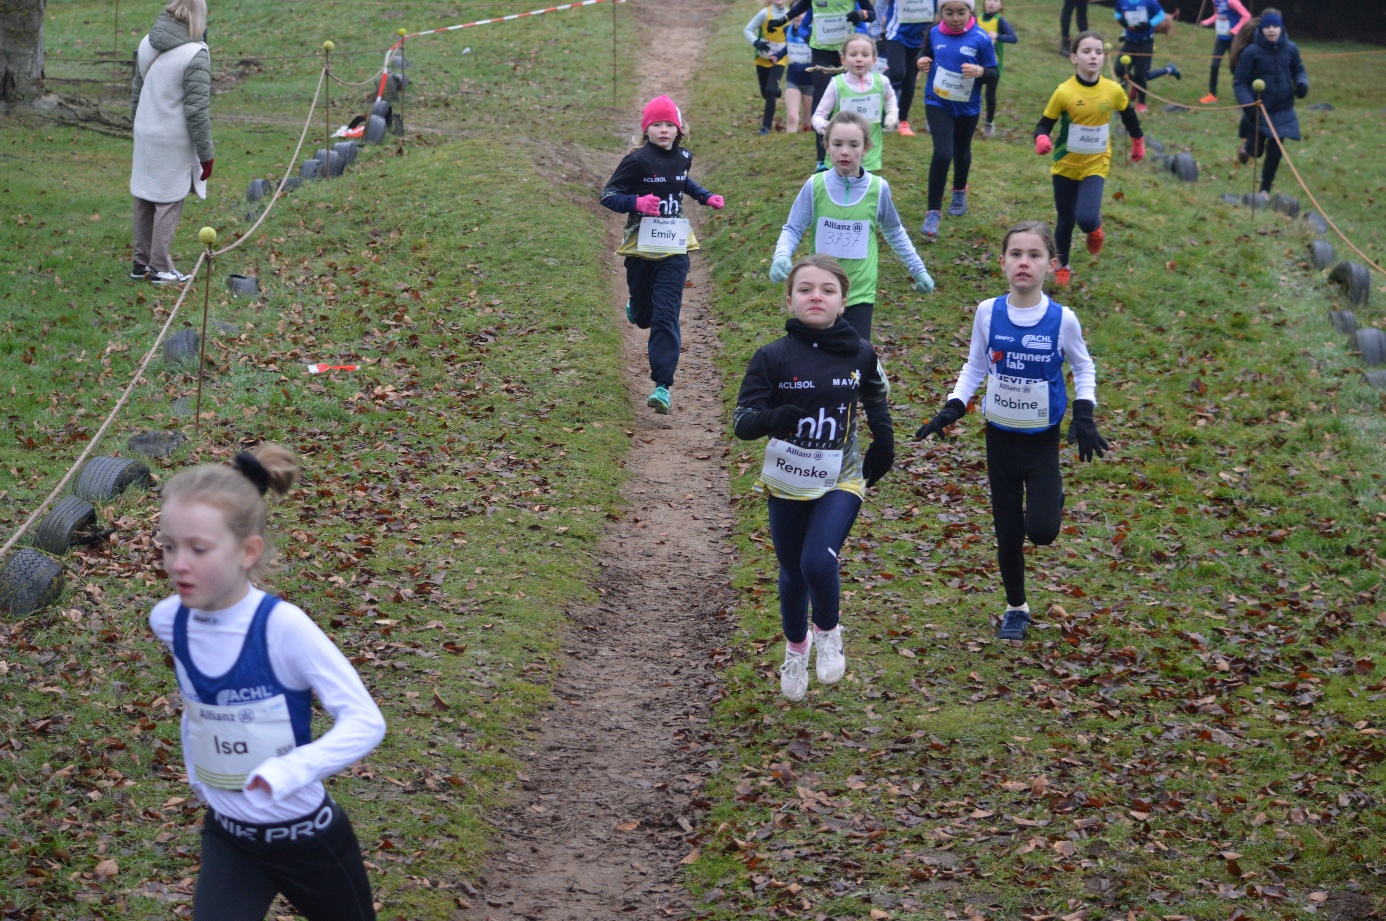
point(831, 30)
point(1136, 18)
point(916, 10)
point(1017, 402)
point(868, 107)
point(842, 239)
point(952, 85)
point(663, 235)
point(226, 744)
point(775, 48)
point(792, 469)
point(1222, 26)
point(1087, 139)
point(800, 53)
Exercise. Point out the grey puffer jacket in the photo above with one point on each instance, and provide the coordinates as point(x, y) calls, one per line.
point(169, 33)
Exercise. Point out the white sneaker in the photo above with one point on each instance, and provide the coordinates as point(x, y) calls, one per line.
point(794, 673)
point(832, 664)
point(168, 278)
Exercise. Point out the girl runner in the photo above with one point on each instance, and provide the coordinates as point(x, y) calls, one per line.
point(1266, 53)
point(1001, 35)
point(1139, 19)
point(833, 23)
point(841, 206)
point(957, 55)
point(1019, 344)
point(248, 666)
point(1227, 16)
point(1083, 156)
point(802, 391)
point(902, 34)
point(770, 50)
point(798, 82)
point(863, 91)
point(649, 185)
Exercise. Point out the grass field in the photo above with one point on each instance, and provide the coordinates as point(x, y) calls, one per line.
point(1192, 733)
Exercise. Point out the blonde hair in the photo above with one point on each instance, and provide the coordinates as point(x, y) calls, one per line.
point(234, 494)
point(191, 12)
point(859, 37)
point(847, 117)
point(820, 261)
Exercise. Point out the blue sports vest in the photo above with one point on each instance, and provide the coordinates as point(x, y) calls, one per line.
point(251, 678)
point(951, 52)
point(1029, 352)
point(1224, 9)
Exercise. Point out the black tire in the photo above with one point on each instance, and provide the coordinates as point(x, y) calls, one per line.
point(382, 108)
point(243, 285)
point(399, 62)
point(1232, 199)
point(155, 444)
point(1355, 279)
point(1315, 221)
point(1376, 378)
point(393, 84)
point(1344, 321)
point(334, 165)
point(347, 150)
point(1185, 167)
point(104, 478)
point(1321, 107)
point(1322, 253)
point(30, 581)
point(293, 182)
point(258, 189)
point(375, 130)
point(1287, 205)
point(1175, 107)
point(311, 169)
point(252, 216)
point(1154, 146)
point(182, 347)
point(1371, 342)
point(1260, 201)
point(64, 520)
point(397, 125)
point(321, 155)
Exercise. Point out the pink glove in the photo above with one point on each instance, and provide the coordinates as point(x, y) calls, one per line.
point(1043, 145)
point(1137, 150)
point(716, 202)
point(647, 205)
point(207, 168)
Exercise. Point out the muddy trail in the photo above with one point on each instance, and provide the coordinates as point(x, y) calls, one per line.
point(609, 798)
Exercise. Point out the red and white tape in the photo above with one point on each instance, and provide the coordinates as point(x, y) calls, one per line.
point(320, 368)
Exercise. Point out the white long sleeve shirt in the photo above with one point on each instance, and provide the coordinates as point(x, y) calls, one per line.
point(824, 112)
point(1071, 344)
point(848, 192)
point(302, 657)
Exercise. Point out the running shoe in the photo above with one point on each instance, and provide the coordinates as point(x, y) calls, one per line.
point(1173, 71)
point(1243, 155)
point(659, 400)
point(794, 675)
point(989, 130)
point(630, 311)
point(1142, 108)
point(168, 278)
point(139, 271)
point(930, 226)
point(958, 207)
point(832, 664)
point(905, 131)
point(1209, 99)
point(821, 167)
point(1064, 47)
point(1063, 277)
point(1013, 625)
point(763, 130)
point(1095, 241)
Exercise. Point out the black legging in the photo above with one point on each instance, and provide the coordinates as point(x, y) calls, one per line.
point(1075, 201)
point(989, 94)
point(1081, 6)
point(952, 137)
point(858, 316)
point(1220, 47)
point(1027, 498)
point(769, 78)
point(1266, 145)
point(821, 79)
point(904, 73)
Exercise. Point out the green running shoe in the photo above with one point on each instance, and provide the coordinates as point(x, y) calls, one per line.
point(659, 400)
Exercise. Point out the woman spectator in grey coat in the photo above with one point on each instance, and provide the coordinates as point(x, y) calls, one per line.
point(170, 100)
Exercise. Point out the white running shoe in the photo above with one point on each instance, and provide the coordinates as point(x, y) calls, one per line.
point(168, 278)
point(794, 673)
point(832, 664)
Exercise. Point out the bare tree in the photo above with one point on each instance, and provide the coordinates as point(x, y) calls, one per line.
point(21, 51)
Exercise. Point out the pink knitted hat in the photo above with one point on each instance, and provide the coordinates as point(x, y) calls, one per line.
point(660, 109)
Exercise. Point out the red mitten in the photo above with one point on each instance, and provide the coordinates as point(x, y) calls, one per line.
point(1137, 150)
point(1043, 145)
point(647, 205)
point(716, 202)
point(207, 168)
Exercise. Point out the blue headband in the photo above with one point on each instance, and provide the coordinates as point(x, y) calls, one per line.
point(1272, 19)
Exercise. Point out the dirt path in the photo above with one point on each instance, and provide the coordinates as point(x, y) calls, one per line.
point(599, 828)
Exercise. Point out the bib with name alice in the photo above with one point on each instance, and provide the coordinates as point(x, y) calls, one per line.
point(1087, 139)
point(237, 721)
point(1025, 389)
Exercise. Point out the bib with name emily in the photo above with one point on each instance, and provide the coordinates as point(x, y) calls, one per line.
point(237, 721)
point(1025, 389)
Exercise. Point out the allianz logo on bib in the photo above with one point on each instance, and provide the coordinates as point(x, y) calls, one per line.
point(1036, 342)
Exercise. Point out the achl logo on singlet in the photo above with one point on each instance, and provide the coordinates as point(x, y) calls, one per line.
point(1035, 341)
point(240, 695)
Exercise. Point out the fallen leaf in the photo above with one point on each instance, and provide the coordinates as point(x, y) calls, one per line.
point(628, 826)
point(692, 856)
point(107, 869)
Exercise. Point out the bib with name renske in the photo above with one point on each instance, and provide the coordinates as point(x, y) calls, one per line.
point(845, 233)
point(1025, 389)
point(237, 721)
point(809, 463)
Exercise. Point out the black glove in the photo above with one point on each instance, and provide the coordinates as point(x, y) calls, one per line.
point(880, 457)
point(1083, 431)
point(855, 17)
point(762, 46)
point(952, 411)
point(778, 23)
point(1301, 90)
point(782, 420)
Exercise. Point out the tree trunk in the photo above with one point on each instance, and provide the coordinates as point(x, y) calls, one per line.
point(21, 51)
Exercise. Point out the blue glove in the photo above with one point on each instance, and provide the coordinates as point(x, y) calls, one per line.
point(779, 269)
point(924, 283)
